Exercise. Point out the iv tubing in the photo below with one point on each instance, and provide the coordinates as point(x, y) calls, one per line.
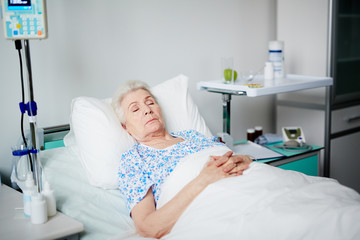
point(32, 120)
point(18, 47)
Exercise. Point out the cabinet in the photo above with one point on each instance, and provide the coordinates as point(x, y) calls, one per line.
point(308, 166)
point(306, 162)
point(345, 68)
point(345, 151)
point(345, 160)
point(329, 37)
point(345, 60)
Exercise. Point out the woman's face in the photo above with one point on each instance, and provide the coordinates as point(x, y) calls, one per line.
point(143, 116)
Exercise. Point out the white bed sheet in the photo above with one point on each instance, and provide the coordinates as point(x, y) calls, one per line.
point(265, 203)
point(103, 212)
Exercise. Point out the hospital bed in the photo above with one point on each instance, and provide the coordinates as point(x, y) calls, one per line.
point(265, 203)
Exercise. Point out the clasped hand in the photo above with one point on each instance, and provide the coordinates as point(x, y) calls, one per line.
point(224, 166)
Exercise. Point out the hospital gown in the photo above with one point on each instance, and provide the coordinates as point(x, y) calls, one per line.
point(143, 167)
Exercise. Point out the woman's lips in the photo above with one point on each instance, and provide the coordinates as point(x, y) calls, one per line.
point(151, 120)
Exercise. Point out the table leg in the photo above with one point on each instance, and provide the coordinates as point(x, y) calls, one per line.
point(226, 112)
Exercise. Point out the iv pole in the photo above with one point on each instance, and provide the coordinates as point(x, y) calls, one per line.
point(17, 15)
point(31, 107)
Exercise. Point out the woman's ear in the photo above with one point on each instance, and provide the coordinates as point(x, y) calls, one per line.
point(124, 127)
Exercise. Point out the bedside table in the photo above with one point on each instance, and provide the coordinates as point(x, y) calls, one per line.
point(14, 225)
point(306, 161)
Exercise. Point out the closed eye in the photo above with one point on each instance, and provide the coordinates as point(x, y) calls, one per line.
point(150, 102)
point(134, 108)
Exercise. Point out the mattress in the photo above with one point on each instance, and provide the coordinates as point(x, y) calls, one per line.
point(103, 212)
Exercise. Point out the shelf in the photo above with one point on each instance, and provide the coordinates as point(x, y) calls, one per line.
point(348, 59)
point(349, 15)
point(269, 87)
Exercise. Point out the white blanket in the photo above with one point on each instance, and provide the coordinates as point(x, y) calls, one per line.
point(264, 203)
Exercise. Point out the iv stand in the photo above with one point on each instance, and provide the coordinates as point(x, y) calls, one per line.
point(32, 112)
point(226, 98)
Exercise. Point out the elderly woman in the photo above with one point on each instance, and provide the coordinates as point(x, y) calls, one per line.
point(145, 167)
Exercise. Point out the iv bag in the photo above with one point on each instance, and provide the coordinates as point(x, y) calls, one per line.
point(20, 165)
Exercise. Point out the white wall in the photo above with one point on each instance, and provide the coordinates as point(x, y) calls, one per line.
point(95, 45)
point(303, 26)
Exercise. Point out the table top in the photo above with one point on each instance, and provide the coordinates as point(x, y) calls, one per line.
point(287, 153)
point(260, 87)
point(14, 225)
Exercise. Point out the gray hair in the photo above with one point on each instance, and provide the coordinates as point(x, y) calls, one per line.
point(122, 91)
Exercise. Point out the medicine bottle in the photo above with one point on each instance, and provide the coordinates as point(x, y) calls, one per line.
point(258, 132)
point(28, 191)
point(276, 57)
point(250, 134)
point(268, 71)
point(48, 193)
point(38, 209)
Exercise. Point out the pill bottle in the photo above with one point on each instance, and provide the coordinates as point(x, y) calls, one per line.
point(250, 134)
point(258, 132)
point(38, 209)
point(276, 57)
point(268, 71)
point(49, 196)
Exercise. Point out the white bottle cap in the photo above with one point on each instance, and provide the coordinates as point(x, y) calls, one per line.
point(258, 128)
point(29, 180)
point(250, 130)
point(36, 197)
point(47, 186)
point(276, 45)
point(50, 199)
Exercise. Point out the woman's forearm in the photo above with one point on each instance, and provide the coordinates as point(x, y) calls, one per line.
point(160, 222)
point(157, 223)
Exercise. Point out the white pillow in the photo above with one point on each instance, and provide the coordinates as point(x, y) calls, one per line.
point(97, 133)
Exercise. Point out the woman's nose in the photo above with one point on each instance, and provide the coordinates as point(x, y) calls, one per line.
point(147, 110)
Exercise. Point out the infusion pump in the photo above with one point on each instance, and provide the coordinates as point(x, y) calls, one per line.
point(293, 134)
point(24, 19)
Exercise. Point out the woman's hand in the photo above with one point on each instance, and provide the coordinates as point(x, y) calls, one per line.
point(215, 169)
point(235, 164)
point(227, 165)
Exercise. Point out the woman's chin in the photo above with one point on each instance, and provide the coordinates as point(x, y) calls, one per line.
point(155, 127)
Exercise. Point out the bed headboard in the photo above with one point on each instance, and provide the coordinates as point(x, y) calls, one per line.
point(53, 136)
